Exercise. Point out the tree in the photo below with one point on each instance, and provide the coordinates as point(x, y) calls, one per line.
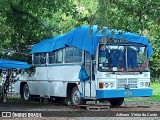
point(139, 16)
point(26, 22)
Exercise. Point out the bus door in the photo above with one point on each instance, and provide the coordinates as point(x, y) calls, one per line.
point(89, 87)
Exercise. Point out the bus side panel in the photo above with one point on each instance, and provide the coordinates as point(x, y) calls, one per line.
point(58, 89)
point(36, 83)
point(60, 76)
point(64, 72)
point(48, 88)
point(52, 80)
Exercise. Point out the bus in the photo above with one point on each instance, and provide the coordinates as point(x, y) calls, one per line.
point(88, 64)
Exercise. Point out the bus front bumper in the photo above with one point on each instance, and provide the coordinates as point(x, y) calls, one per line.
point(123, 93)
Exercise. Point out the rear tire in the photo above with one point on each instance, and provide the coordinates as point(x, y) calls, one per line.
point(25, 93)
point(116, 101)
point(76, 97)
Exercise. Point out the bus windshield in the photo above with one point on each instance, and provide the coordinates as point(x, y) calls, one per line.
point(127, 57)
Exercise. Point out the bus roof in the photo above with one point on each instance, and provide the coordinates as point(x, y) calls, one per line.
point(87, 38)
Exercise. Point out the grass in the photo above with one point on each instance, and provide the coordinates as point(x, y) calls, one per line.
point(156, 91)
point(156, 87)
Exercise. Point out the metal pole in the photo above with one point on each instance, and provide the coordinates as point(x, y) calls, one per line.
point(11, 76)
point(4, 85)
point(126, 59)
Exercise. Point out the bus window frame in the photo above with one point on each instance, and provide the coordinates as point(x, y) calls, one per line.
point(125, 47)
point(63, 57)
point(73, 55)
point(40, 56)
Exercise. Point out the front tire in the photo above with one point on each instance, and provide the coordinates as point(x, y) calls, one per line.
point(116, 101)
point(26, 94)
point(76, 97)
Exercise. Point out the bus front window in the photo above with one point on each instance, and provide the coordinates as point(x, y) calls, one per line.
point(113, 58)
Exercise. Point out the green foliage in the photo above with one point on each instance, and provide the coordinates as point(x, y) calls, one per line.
point(139, 16)
point(156, 88)
point(26, 22)
point(156, 92)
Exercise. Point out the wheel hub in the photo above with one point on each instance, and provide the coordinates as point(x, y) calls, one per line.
point(26, 93)
point(76, 97)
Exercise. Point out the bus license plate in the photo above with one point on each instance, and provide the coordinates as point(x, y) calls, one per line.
point(128, 93)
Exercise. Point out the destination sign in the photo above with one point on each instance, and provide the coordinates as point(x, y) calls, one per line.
point(112, 40)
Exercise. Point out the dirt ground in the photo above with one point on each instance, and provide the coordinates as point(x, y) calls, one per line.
point(66, 112)
point(36, 106)
point(14, 102)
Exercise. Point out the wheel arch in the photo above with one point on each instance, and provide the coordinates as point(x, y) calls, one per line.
point(70, 86)
point(116, 101)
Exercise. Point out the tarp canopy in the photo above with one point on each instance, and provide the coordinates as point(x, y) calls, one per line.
point(49, 45)
point(8, 64)
point(87, 38)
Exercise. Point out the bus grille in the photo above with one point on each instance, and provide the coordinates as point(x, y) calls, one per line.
point(129, 82)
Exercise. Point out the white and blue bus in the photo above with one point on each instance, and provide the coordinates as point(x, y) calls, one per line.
point(88, 64)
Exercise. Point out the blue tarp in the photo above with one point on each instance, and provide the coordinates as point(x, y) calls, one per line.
point(83, 76)
point(87, 38)
point(49, 45)
point(8, 64)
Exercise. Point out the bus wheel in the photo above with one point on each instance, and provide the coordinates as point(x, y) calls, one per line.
point(116, 101)
point(75, 97)
point(26, 93)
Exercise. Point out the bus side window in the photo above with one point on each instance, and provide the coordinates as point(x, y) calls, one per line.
point(43, 58)
point(77, 55)
point(73, 55)
point(59, 56)
point(39, 58)
point(36, 59)
point(52, 57)
point(69, 54)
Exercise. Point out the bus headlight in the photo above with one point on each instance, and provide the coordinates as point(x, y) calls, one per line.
point(109, 85)
point(106, 85)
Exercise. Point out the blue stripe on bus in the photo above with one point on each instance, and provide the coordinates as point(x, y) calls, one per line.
point(123, 93)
